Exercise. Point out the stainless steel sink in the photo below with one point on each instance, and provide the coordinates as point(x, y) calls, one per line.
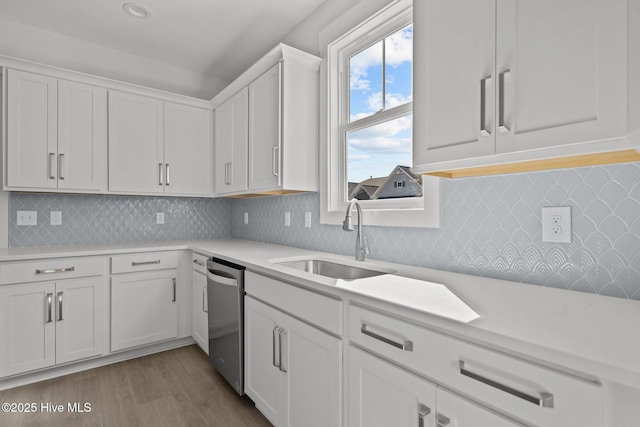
point(331, 269)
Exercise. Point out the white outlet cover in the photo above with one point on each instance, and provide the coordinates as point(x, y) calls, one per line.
point(246, 218)
point(307, 219)
point(55, 218)
point(556, 232)
point(159, 217)
point(27, 218)
point(287, 219)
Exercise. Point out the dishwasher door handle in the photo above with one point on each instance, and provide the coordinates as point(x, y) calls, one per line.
point(222, 280)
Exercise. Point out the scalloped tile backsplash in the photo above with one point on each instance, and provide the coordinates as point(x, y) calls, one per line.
point(491, 227)
point(89, 219)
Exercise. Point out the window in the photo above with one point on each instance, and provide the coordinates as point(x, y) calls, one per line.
point(369, 125)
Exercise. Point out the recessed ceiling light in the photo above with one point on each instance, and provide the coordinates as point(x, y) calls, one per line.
point(136, 10)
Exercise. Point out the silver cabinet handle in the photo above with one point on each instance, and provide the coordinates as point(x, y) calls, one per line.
point(230, 179)
point(501, 100)
point(275, 361)
point(174, 289)
point(442, 421)
point(281, 367)
point(198, 262)
point(226, 173)
point(56, 270)
point(545, 400)
point(51, 160)
point(168, 177)
point(134, 263)
point(49, 308)
point(405, 345)
point(160, 174)
point(423, 411)
point(483, 106)
point(274, 161)
point(60, 306)
point(204, 300)
point(60, 177)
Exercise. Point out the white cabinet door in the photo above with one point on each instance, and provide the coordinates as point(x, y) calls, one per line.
point(188, 150)
point(79, 319)
point(27, 327)
point(263, 380)
point(561, 71)
point(82, 132)
point(455, 79)
point(136, 147)
point(455, 411)
point(199, 311)
point(312, 360)
point(381, 394)
point(144, 308)
point(32, 128)
point(265, 111)
point(231, 144)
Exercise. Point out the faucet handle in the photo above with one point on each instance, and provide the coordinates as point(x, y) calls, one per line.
point(365, 245)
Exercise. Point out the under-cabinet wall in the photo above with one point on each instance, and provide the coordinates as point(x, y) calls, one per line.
point(101, 219)
point(491, 227)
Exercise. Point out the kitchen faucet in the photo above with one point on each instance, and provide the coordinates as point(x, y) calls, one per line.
point(347, 225)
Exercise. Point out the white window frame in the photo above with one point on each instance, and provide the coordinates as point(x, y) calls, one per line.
point(416, 212)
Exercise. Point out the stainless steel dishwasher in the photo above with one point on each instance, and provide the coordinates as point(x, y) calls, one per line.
point(225, 286)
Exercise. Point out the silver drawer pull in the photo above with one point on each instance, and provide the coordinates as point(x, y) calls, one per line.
point(405, 345)
point(442, 421)
point(173, 279)
point(423, 411)
point(198, 262)
point(60, 306)
point(134, 263)
point(56, 270)
point(49, 308)
point(545, 400)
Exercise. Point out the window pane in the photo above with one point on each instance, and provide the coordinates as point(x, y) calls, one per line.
point(365, 82)
point(378, 161)
point(398, 64)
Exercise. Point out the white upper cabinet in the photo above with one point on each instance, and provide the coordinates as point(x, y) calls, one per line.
point(280, 125)
point(231, 144)
point(265, 131)
point(136, 144)
point(56, 134)
point(188, 150)
point(159, 147)
point(514, 80)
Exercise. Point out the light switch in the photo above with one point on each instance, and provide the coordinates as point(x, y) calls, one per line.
point(55, 217)
point(27, 218)
point(160, 218)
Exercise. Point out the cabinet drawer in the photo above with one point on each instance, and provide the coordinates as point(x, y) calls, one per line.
point(143, 261)
point(200, 263)
point(312, 307)
point(50, 270)
point(523, 389)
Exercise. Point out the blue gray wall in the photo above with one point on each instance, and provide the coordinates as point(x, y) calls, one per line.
point(490, 227)
point(90, 219)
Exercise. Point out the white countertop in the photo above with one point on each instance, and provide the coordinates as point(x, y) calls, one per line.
point(589, 334)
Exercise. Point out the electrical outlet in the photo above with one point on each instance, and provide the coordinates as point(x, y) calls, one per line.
point(287, 219)
point(55, 218)
point(159, 217)
point(246, 218)
point(307, 219)
point(556, 224)
point(27, 218)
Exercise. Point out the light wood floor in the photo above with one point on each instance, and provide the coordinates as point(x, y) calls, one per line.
point(174, 388)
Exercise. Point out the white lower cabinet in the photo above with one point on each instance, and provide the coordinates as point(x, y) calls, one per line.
point(199, 303)
point(144, 308)
point(49, 323)
point(381, 394)
point(292, 370)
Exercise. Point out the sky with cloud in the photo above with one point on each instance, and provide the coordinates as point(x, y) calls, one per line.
point(376, 150)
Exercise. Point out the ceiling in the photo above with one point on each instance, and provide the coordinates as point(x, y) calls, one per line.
point(219, 38)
